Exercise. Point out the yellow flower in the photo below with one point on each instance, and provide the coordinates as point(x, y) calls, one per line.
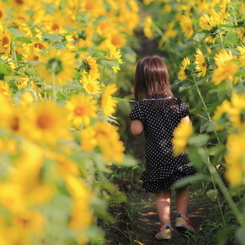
point(224, 72)
point(57, 63)
point(2, 14)
point(4, 41)
point(108, 104)
point(106, 137)
point(237, 111)
point(170, 32)
point(201, 64)
point(47, 123)
point(182, 73)
point(81, 108)
point(81, 216)
point(90, 83)
point(181, 135)
point(92, 66)
point(21, 4)
point(220, 115)
point(114, 53)
point(235, 159)
point(222, 57)
point(148, 27)
point(241, 49)
point(186, 26)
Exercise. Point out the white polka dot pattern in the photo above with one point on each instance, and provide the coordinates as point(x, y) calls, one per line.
point(162, 168)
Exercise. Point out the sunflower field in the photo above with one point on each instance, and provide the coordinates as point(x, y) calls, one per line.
point(62, 67)
point(58, 67)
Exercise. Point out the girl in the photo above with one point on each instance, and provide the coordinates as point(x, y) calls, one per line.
point(156, 113)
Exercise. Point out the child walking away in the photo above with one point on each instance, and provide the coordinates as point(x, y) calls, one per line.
point(157, 113)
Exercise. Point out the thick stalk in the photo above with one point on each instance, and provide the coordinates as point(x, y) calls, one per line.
point(206, 109)
point(213, 171)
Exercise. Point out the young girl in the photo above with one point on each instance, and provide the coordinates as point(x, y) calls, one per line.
point(157, 113)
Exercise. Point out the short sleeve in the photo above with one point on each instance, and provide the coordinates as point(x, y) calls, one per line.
point(137, 113)
point(183, 109)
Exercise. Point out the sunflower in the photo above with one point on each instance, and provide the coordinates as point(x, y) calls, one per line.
point(237, 111)
point(221, 115)
point(60, 63)
point(182, 75)
point(4, 41)
point(106, 137)
point(181, 135)
point(222, 57)
point(108, 104)
point(90, 84)
point(235, 159)
point(114, 53)
point(224, 72)
point(81, 108)
point(81, 216)
point(186, 26)
point(201, 63)
point(2, 14)
point(21, 4)
point(148, 27)
point(47, 123)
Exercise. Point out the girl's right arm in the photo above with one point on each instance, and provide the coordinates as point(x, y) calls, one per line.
point(186, 119)
point(137, 127)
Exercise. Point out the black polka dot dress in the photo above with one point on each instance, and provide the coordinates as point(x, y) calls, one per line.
point(162, 168)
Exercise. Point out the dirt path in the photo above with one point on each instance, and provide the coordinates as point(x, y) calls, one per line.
point(136, 222)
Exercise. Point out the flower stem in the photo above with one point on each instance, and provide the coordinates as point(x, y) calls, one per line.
point(206, 109)
point(213, 171)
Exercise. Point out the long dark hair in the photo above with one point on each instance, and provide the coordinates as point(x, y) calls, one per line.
point(151, 79)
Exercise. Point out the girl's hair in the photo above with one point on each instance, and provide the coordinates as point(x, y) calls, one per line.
point(151, 79)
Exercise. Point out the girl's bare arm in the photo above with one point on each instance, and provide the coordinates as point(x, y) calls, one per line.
point(137, 127)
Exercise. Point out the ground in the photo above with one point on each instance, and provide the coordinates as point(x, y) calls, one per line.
point(136, 221)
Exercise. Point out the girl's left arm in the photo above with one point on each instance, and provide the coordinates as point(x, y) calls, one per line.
point(137, 127)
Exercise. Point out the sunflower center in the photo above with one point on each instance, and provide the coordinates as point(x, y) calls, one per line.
point(35, 57)
point(15, 125)
point(39, 45)
point(44, 122)
point(204, 64)
point(55, 65)
point(5, 41)
point(79, 111)
point(90, 87)
point(20, 2)
point(1, 13)
point(55, 26)
point(89, 6)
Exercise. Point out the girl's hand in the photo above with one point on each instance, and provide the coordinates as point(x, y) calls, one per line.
point(137, 127)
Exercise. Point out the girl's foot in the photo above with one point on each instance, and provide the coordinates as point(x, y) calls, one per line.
point(164, 233)
point(183, 224)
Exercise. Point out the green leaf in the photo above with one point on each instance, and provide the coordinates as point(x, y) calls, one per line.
point(193, 111)
point(82, 49)
point(200, 36)
point(184, 87)
point(123, 100)
point(240, 235)
point(16, 32)
point(113, 62)
point(23, 39)
point(207, 127)
point(53, 38)
point(224, 233)
point(34, 62)
point(198, 140)
point(212, 194)
point(118, 197)
point(5, 70)
point(231, 38)
point(197, 157)
point(188, 180)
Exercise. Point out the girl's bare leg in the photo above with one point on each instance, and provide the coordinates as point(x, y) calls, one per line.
point(182, 200)
point(163, 207)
